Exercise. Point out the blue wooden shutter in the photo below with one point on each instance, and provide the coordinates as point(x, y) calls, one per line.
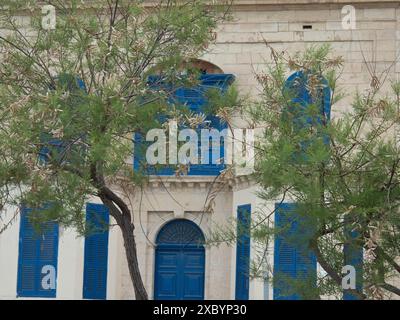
point(54, 147)
point(96, 252)
point(195, 99)
point(296, 87)
point(243, 252)
point(353, 255)
point(36, 250)
point(294, 264)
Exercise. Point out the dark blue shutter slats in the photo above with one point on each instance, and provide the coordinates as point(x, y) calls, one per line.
point(96, 252)
point(36, 250)
point(53, 147)
point(243, 252)
point(294, 264)
point(196, 100)
point(296, 87)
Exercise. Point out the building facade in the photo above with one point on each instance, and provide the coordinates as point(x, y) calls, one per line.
point(170, 212)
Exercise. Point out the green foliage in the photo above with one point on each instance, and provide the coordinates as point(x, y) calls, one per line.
point(112, 46)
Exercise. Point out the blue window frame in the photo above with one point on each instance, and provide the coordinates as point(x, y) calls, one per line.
point(96, 252)
point(295, 265)
point(38, 251)
point(243, 252)
point(299, 111)
point(195, 99)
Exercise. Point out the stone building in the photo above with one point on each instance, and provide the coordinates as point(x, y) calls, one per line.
point(167, 203)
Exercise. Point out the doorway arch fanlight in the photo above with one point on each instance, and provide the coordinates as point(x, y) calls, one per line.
point(179, 262)
point(180, 232)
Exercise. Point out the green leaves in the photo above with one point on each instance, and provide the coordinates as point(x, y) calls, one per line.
point(85, 86)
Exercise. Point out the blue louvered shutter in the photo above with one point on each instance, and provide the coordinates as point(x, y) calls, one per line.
point(195, 99)
point(243, 252)
point(353, 255)
point(296, 87)
point(51, 146)
point(141, 145)
point(294, 263)
point(36, 251)
point(96, 252)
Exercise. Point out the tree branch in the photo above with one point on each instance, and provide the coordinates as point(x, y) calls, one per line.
point(331, 272)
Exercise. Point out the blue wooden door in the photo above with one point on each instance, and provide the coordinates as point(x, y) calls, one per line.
point(179, 262)
point(179, 274)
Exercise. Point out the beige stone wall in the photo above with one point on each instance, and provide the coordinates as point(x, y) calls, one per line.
point(240, 50)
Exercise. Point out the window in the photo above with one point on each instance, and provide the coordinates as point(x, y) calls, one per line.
point(37, 261)
point(195, 99)
point(294, 262)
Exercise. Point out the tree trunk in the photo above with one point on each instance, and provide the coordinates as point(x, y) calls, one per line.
point(122, 215)
point(127, 229)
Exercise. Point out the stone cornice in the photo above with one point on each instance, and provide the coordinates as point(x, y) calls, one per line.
point(317, 2)
point(194, 182)
point(151, 3)
point(200, 182)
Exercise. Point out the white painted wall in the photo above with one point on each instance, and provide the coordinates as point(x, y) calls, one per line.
point(247, 194)
point(9, 244)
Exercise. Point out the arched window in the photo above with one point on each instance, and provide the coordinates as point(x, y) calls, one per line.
point(196, 100)
point(306, 90)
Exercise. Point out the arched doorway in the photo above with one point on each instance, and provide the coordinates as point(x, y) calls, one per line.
point(179, 262)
